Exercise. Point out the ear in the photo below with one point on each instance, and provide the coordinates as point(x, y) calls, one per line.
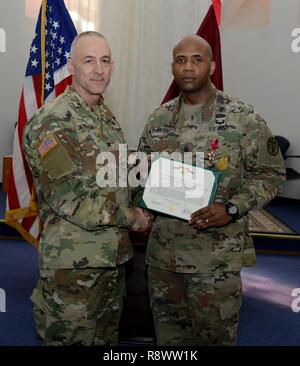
point(172, 68)
point(112, 65)
point(70, 66)
point(212, 68)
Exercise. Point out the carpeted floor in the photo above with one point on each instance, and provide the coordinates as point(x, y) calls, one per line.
point(267, 318)
point(18, 275)
point(266, 315)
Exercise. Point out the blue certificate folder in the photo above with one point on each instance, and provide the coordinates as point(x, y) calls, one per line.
point(174, 204)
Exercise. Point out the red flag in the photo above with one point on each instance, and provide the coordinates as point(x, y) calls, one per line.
point(46, 77)
point(209, 30)
point(217, 7)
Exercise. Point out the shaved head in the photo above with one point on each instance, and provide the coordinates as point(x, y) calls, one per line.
point(192, 67)
point(193, 41)
point(79, 37)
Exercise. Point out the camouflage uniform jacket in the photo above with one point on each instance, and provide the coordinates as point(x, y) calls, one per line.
point(252, 173)
point(80, 219)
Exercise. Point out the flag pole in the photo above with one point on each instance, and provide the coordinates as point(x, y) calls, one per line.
point(43, 44)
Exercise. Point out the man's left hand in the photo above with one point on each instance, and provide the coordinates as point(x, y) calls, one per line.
point(209, 216)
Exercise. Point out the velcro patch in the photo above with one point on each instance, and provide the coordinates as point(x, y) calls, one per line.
point(273, 147)
point(47, 144)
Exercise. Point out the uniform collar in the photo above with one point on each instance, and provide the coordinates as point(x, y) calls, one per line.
point(207, 103)
point(207, 107)
point(78, 102)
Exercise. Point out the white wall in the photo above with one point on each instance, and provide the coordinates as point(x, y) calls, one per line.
point(19, 33)
point(143, 53)
point(258, 66)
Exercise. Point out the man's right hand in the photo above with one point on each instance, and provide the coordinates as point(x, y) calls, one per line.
point(143, 220)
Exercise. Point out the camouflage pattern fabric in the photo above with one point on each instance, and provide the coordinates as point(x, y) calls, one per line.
point(252, 173)
point(61, 143)
point(78, 297)
point(79, 306)
point(192, 309)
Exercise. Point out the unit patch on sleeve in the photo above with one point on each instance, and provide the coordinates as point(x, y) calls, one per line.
point(273, 147)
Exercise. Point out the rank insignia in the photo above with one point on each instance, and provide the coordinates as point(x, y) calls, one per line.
point(220, 118)
point(223, 163)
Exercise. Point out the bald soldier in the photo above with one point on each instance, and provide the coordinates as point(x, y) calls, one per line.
point(84, 242)
point(194, 267)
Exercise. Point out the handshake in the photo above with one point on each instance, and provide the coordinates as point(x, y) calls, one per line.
point(141, 220)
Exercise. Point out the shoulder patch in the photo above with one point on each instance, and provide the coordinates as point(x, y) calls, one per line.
point(47, 144)
point(273, 147)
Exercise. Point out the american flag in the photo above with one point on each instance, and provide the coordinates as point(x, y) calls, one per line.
point(46, 77)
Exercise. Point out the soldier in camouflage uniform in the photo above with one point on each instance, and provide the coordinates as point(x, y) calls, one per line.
point(194, 267)
point(84, 241)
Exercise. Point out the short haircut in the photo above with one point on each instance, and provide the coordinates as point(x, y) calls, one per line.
point(83, 35)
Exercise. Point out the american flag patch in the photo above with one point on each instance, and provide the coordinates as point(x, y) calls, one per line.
point(48, 143)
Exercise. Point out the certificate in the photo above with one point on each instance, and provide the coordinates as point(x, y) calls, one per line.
point(177, 189)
